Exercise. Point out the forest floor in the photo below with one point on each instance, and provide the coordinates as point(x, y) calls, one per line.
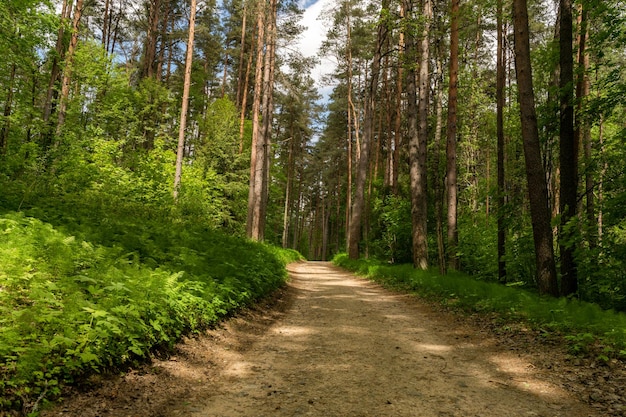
point(333, 345)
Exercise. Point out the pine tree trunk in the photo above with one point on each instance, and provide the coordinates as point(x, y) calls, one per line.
point(437, 181)
point(242, 53)
point(583, 131)
point(185, 103)
point(399, 110)
point(257, 156)
point(67, 73)
point(147, 70)
point(568, 154)
point(535, 174)
point(500, 103)
point(419, 189)
point(52, 92)
point(451, 148)
point(358, 206)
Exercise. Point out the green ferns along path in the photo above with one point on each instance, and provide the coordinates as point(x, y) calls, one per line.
point(71, 306)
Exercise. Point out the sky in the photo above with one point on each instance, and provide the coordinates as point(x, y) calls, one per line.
point(312, 39)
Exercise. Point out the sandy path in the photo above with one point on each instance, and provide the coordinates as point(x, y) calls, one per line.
point(340, 346)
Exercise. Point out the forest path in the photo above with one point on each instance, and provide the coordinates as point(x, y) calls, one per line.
point(337, 345)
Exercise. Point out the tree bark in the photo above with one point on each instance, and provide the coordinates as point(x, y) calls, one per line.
point(437, 180)
point(568, 154)
point(358, 206)
point(8, 104)
point(185, 103)
point(257, 156)
point(535, 174)
point(583, 131)
point(147, 70)
point(451, 151)
point(67, 73)
point(500, 103)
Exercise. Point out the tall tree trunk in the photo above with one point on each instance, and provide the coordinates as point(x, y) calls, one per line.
point(55, 71)
point(8, 104)
point(257, 155)
point(268, 112)
point(419, 188)
point(288, 187)
point(147, 69)
point(185, 103)
point(437, 181)
point(415, 51)
point(67, 73)
point(399, 111)
point(451, 151)
point(358, 206)
point(583, 131)
point(164, 24)
point(349, 109)
point(244, 103)
point(568, 153)
point(242, 52)
point(535, 174)
point(500, 103)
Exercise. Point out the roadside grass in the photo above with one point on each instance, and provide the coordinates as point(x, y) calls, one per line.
point(94, 293)
point(586, 327)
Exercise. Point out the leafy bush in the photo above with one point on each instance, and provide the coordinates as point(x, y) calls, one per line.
point(70, 306)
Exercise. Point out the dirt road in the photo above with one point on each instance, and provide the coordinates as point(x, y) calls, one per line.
point(334, 345)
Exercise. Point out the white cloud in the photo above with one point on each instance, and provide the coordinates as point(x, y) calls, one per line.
point(312, 38)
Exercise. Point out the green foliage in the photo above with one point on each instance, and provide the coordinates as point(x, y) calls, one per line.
point(585, 322)
point(105, 297)
point(391, 232)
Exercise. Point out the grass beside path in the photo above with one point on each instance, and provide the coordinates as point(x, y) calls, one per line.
point(587, 328)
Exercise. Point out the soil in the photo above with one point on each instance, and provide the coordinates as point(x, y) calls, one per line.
point(331, 344)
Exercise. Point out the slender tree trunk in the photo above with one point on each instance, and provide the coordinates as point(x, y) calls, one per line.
point(437, 181)
point(8, 104)
point(55, 72)
point(257, 156)
point(398, 143)
point(105, 24)
point(164, 36)
point(358, 206)
point(583, 131)
point(268, 110)
point(568, 153)
point(419, 188)
point(242, 53)
point(451, 151)
point(67, 73)
point(349, 109)
point(535, 174)
point(185, 103)
point(244, 104)
point(500, 103)
point(288, 186)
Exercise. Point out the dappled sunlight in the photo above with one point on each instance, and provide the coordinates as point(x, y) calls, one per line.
point(294, 331)
point(522, 376)
point(431, 348)
point(348, 348)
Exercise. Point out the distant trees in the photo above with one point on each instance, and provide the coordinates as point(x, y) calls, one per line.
point(484, 131)
point(92, 97)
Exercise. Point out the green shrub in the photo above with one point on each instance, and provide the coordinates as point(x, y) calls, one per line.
point(72, 305)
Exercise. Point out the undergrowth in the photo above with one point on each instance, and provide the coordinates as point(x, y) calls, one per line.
point(89, 292)
point(585, 325)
